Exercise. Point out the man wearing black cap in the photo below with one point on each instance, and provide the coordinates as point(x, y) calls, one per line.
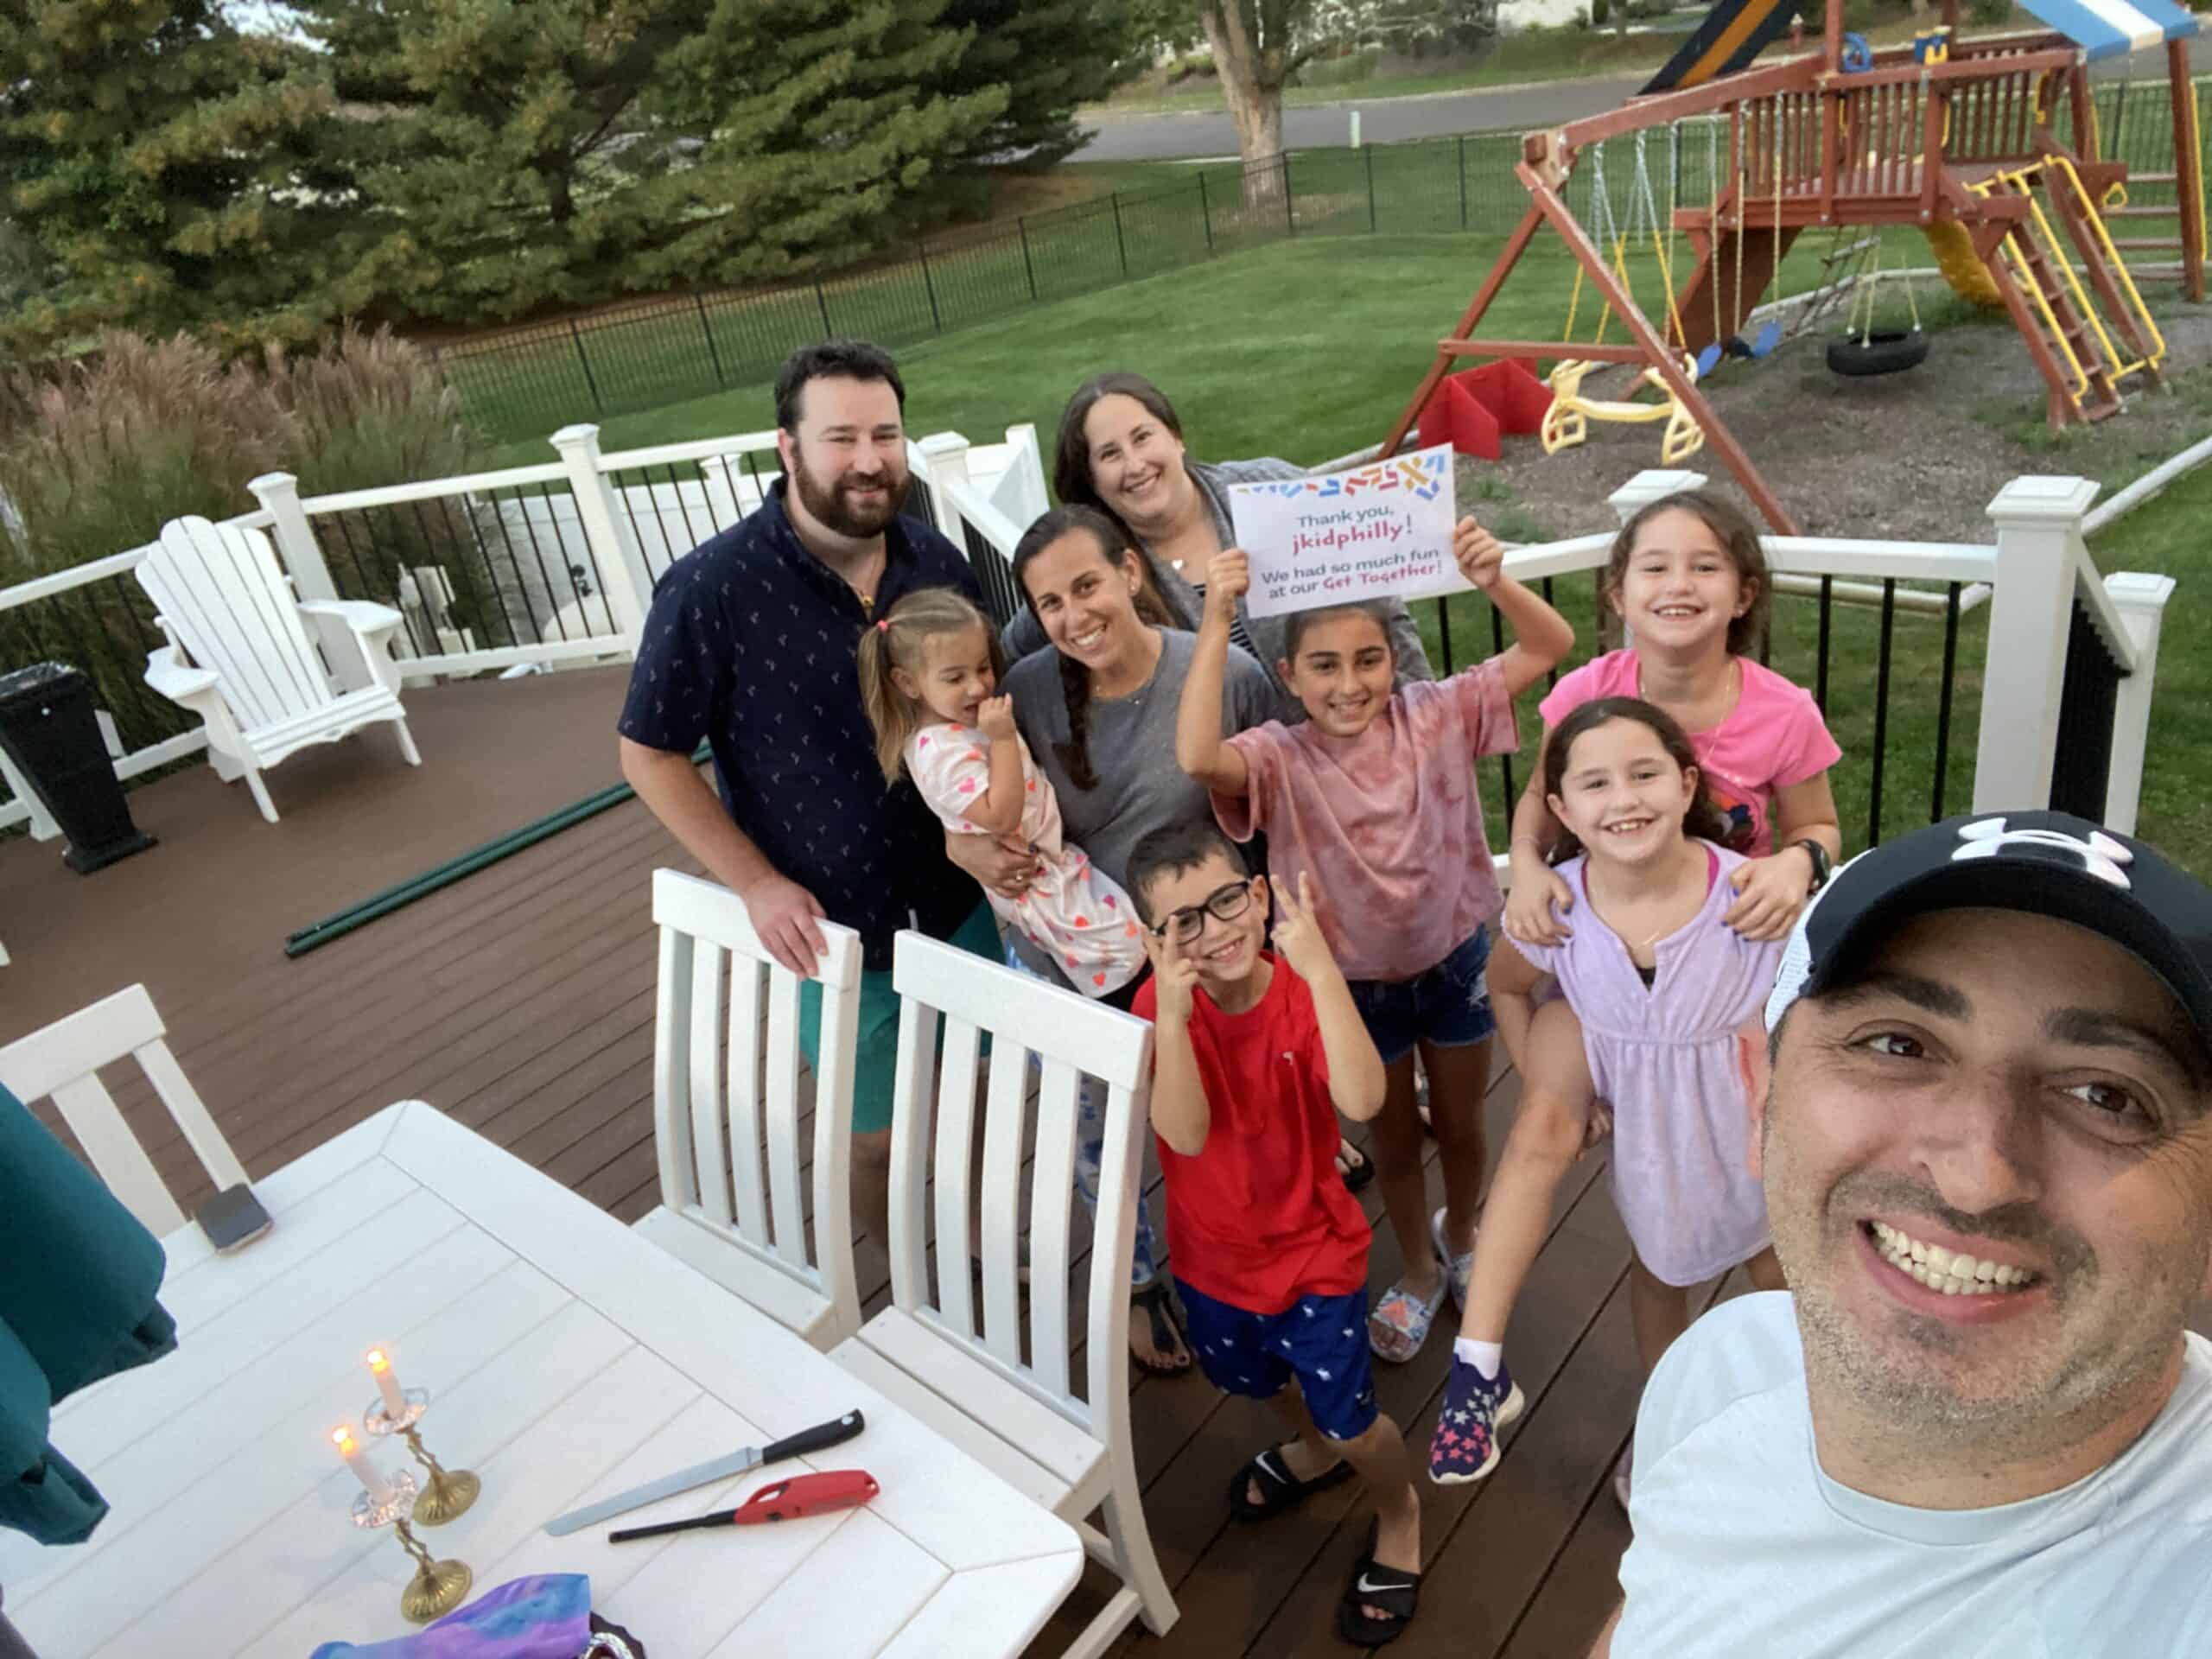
point(1979, 1424)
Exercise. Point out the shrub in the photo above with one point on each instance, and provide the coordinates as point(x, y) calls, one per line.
point(95, 457)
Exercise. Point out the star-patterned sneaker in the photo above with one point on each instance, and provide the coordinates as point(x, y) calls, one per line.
point(1465, 1445)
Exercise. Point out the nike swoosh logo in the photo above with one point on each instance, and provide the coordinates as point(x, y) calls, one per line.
point(1367, 1589)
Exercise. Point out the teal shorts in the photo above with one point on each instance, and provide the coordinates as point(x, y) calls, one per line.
point(875, 1062)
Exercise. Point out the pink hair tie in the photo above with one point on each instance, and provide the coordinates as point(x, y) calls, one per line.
point(884, 625)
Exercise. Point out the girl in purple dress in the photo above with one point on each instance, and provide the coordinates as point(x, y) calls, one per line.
point(1663, 987)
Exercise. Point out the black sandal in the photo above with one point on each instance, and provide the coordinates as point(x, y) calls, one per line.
point(1359, 1171)
point(1279, 1489)
point(1391, 1591)
point(1157, 1302)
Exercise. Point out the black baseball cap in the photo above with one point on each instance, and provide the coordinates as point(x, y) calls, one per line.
point(2043, 863)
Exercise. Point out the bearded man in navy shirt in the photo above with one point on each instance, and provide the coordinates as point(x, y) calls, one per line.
point(751, 646)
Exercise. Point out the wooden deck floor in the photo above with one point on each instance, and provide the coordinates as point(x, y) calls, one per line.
point(521, 1001)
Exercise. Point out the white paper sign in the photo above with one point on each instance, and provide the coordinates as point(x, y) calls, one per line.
point(1375, 531)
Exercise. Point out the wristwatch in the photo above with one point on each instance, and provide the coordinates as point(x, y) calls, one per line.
point(1823, 865)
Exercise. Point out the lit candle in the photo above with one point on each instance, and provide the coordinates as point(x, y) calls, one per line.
point(367, 1473)
point(395, 1403)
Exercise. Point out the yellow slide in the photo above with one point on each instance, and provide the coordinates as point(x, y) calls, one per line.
point(1953, 246)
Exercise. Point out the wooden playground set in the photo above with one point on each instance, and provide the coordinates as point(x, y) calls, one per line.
point(1956, 137)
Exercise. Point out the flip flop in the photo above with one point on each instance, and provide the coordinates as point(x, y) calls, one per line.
point(1279, 1489)
point(1159, 1308)
point(1391, 1591)
point(1406, 1317)
point(1359, 1171)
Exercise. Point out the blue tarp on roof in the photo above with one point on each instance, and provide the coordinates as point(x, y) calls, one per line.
point(2111, 28)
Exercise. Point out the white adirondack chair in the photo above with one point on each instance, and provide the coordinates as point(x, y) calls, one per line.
point(63, 1059)
point(239, 656)
point(715, 1213)
point(1018, 1417)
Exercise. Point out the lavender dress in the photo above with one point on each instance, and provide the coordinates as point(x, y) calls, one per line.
point(1665, 1057)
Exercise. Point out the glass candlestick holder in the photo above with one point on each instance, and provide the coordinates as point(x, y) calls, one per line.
point(447, 1493)
point(438, 1587)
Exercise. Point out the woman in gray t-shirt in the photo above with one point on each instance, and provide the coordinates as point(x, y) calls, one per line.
point(1120, 449)
point(1098, 709)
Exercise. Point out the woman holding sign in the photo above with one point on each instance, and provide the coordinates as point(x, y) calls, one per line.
point(1121, 450)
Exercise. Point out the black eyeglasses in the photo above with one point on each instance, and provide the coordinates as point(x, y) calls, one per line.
point(1227, 902)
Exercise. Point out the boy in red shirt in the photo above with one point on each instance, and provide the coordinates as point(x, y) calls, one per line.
point(1254, 1056)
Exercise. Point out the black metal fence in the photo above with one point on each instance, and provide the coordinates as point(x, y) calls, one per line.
point(524, 382)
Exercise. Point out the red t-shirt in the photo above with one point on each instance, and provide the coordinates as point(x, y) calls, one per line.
point(1261, 1217)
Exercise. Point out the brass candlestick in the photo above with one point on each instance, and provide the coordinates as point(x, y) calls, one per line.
point(448, 1493)
point(437, 1586)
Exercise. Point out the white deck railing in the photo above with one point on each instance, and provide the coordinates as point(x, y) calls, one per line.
point(575, 546)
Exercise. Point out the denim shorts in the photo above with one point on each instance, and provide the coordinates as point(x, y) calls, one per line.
point(1448, 1006)
point(1320, 1340)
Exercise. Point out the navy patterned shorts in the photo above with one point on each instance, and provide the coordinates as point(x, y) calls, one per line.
point(1320, 1340)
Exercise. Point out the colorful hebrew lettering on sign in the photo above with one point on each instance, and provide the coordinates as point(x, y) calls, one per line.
point(1375, 531)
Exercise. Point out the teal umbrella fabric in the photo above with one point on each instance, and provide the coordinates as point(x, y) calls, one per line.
point(77, 1304)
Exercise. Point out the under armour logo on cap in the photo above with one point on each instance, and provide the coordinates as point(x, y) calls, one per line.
point(2099, 852)
point(2039, 863)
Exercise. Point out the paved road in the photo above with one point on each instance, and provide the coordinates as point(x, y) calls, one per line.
point(1390, 120)
point(1384, 121)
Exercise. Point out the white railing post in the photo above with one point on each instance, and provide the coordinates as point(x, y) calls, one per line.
point(1020, 492)
point(621, 565)
point(944, 456)
point(2141, 602)
point(2039, 550)
point(1650, 485)
point(279, 496)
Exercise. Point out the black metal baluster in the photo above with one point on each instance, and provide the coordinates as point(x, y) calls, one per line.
point(1943, 701)
point(1881, 710)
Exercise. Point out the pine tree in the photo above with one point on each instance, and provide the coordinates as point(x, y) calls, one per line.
point(540, 151)
point(172, 173)
point(506, 143)
point(823, 118)
point(1051, 56)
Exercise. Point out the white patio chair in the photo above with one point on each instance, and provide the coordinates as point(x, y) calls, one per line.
point(238, 658)
point(63, 1059)
point(1018, 1417)
point(716, 1212)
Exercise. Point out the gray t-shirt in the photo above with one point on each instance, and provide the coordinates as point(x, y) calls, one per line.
point(1743, 1545)
point(1132, 747)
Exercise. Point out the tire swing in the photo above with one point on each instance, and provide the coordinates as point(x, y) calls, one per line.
point(1863, 350)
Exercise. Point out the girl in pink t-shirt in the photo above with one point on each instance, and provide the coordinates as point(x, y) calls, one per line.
point(1373, 796)
point(1688, 576)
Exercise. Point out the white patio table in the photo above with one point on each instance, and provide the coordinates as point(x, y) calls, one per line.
point(567, 1358)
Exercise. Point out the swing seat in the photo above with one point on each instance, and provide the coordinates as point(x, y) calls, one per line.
point(1885, 351)
point(1566, 422)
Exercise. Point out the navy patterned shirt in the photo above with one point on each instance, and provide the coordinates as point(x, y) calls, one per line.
point(752, 644)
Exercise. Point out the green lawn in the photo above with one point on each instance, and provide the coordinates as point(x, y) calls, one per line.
point(1307, 348)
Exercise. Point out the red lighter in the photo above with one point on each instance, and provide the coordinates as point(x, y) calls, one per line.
point(782, 1500)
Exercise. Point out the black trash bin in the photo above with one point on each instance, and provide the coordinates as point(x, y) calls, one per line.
point(48, 730)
